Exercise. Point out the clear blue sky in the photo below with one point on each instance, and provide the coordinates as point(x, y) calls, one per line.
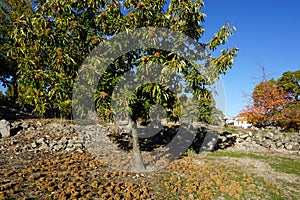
point(268, 33)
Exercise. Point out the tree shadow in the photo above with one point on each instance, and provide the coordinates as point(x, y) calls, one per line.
point(162, 138)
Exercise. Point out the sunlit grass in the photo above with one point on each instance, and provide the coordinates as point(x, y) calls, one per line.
point(286, 165)
point(280, 164)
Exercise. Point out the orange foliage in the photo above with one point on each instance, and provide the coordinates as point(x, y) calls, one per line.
point(269, 106)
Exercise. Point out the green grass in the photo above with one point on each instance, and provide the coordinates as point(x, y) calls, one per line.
point(286, 165)
point(231, 130)
point(238, 155)
point(279, 164)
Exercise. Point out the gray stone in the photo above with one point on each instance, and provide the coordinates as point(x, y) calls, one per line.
point(4, 128)
point(269, 135)
point(267, 143)
point(289, 146)
point(278, 138)
point(25, 125)
point(78, 145)
point(223, 138)
point(295, 147)
point(58, 147)
point(52, 144)
point(70, 143)
point(286, 140)
point(38, 123)
point(239, 140)
point(79, 150)
point(278, 144)
point(231, 136)
point(250, 133)
point(68, 149)
point(44, 146)
point(209, 142)
point(244, 136)
point(33, 145)
point(63, 141)
point(40, 141)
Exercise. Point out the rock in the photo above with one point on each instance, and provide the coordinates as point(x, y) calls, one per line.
point(25, 125)
point(222, 138)
point(294, 146)
point(250, 133)
point(63, 141)
point(78, 145)
point(267, 143)
point(244, 136)
point(79, 150)
point(40, 141)
point(231, 136)
point(33, 145)
point(68, 149)
point(289, 146)
point(269, 135)
point(58, 147)
point(239, 140)
point(38, 123)
point(44, 146)
point(15, 124)
point(279, 144)
point(209, 142)
point(4, 128)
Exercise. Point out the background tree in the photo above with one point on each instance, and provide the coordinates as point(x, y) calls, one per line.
point(290, 81)
point(275, 103)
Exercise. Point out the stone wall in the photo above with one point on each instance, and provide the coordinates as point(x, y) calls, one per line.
point(34, 135)
point(268, 140)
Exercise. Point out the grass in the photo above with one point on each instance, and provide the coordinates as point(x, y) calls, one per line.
point(231, 130)
point(238, 155)
point(286, 165)
point(279, 164)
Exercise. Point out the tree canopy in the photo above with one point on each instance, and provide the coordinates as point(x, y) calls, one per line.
point(43, 44)
point(276, 103)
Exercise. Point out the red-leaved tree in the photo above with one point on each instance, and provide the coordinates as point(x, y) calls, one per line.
point(268, 105)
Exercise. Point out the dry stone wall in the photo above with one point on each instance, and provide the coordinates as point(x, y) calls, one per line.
point(34, 135)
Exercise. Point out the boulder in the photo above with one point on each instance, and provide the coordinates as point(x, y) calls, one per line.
point(4, 128)
point(209, 142)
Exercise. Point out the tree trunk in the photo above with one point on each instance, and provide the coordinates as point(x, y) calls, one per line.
point(138, 159)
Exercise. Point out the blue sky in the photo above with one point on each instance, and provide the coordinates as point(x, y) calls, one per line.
point(268, 33)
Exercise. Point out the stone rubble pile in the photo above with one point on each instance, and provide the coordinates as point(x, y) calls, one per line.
point(33, 136)
point(268, 140)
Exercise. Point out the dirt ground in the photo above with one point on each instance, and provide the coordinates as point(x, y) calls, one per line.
point(47, 174)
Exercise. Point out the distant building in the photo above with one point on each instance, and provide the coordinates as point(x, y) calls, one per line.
point(242, 122)
point(237, 122)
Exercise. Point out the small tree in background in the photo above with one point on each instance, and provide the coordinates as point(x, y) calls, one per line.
point(275, 103)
